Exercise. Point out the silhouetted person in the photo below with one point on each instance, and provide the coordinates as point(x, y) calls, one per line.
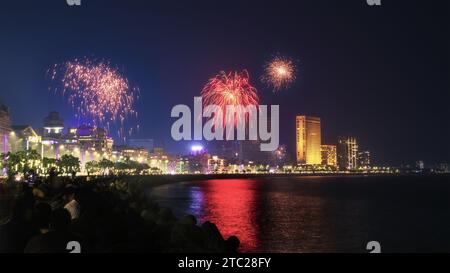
point(15, 233)
point(41, 217)
point(72, 205)
point(56, 240)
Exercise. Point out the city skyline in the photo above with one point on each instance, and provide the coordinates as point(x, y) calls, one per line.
point(343, 153)
point(53, 139)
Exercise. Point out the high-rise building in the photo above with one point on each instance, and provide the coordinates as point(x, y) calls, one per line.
point(308, 140)
point(364, 159)
point(420, 165)
point(329, 155)
point(347, 152)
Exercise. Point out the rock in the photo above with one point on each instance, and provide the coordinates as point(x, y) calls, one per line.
point(232, 243)
point(213, 239)
point(188, 220)
point(134, 205)
point(149, 216)
point(186, 238)
point(165, 216)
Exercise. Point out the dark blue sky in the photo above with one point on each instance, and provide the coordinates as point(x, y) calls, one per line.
point(379, 73)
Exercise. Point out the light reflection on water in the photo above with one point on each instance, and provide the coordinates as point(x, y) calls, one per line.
point(316, 214)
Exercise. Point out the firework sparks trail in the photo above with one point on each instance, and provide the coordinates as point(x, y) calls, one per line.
point(97, 91)
point(232, 88)
point(279, 73)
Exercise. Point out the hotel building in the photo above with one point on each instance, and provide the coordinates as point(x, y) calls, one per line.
point(308, 140)
point(5, 129)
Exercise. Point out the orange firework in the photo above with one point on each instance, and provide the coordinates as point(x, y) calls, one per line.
point(97, 91)
point(232, 88)
point(279, 73)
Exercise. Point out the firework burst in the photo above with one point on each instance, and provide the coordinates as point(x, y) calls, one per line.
point(279, 73)
point(97, 91)
point(232, 88)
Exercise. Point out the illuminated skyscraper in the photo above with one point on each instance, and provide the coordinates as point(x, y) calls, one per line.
point(308, 140)
point(347, 151)
point(329, 155)
point(364, 159)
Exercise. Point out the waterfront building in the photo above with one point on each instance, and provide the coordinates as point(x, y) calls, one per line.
point(93, 141)
point(347, 153)
point(53, 126)
point(198, 162)
point(5, 129)
point(139, 154)
point(308, 140)
point(217, 165)
point(181, 165)
point(24, 137)
point(444, 167)
point(52, 134)
point(420, 165)
point(329, 155)
point(159, 162)
point(364, 160)
point(158, 151)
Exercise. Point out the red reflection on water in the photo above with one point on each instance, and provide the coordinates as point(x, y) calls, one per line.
point(230, 204)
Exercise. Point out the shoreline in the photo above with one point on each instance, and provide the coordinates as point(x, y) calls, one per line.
point(153, 181)
point(159, 180)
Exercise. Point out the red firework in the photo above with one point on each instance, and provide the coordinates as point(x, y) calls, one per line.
point(232, 88)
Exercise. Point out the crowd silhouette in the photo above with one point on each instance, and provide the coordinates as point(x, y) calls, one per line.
point(106, 214)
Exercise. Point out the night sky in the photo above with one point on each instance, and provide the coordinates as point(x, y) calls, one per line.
point(378, 73)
